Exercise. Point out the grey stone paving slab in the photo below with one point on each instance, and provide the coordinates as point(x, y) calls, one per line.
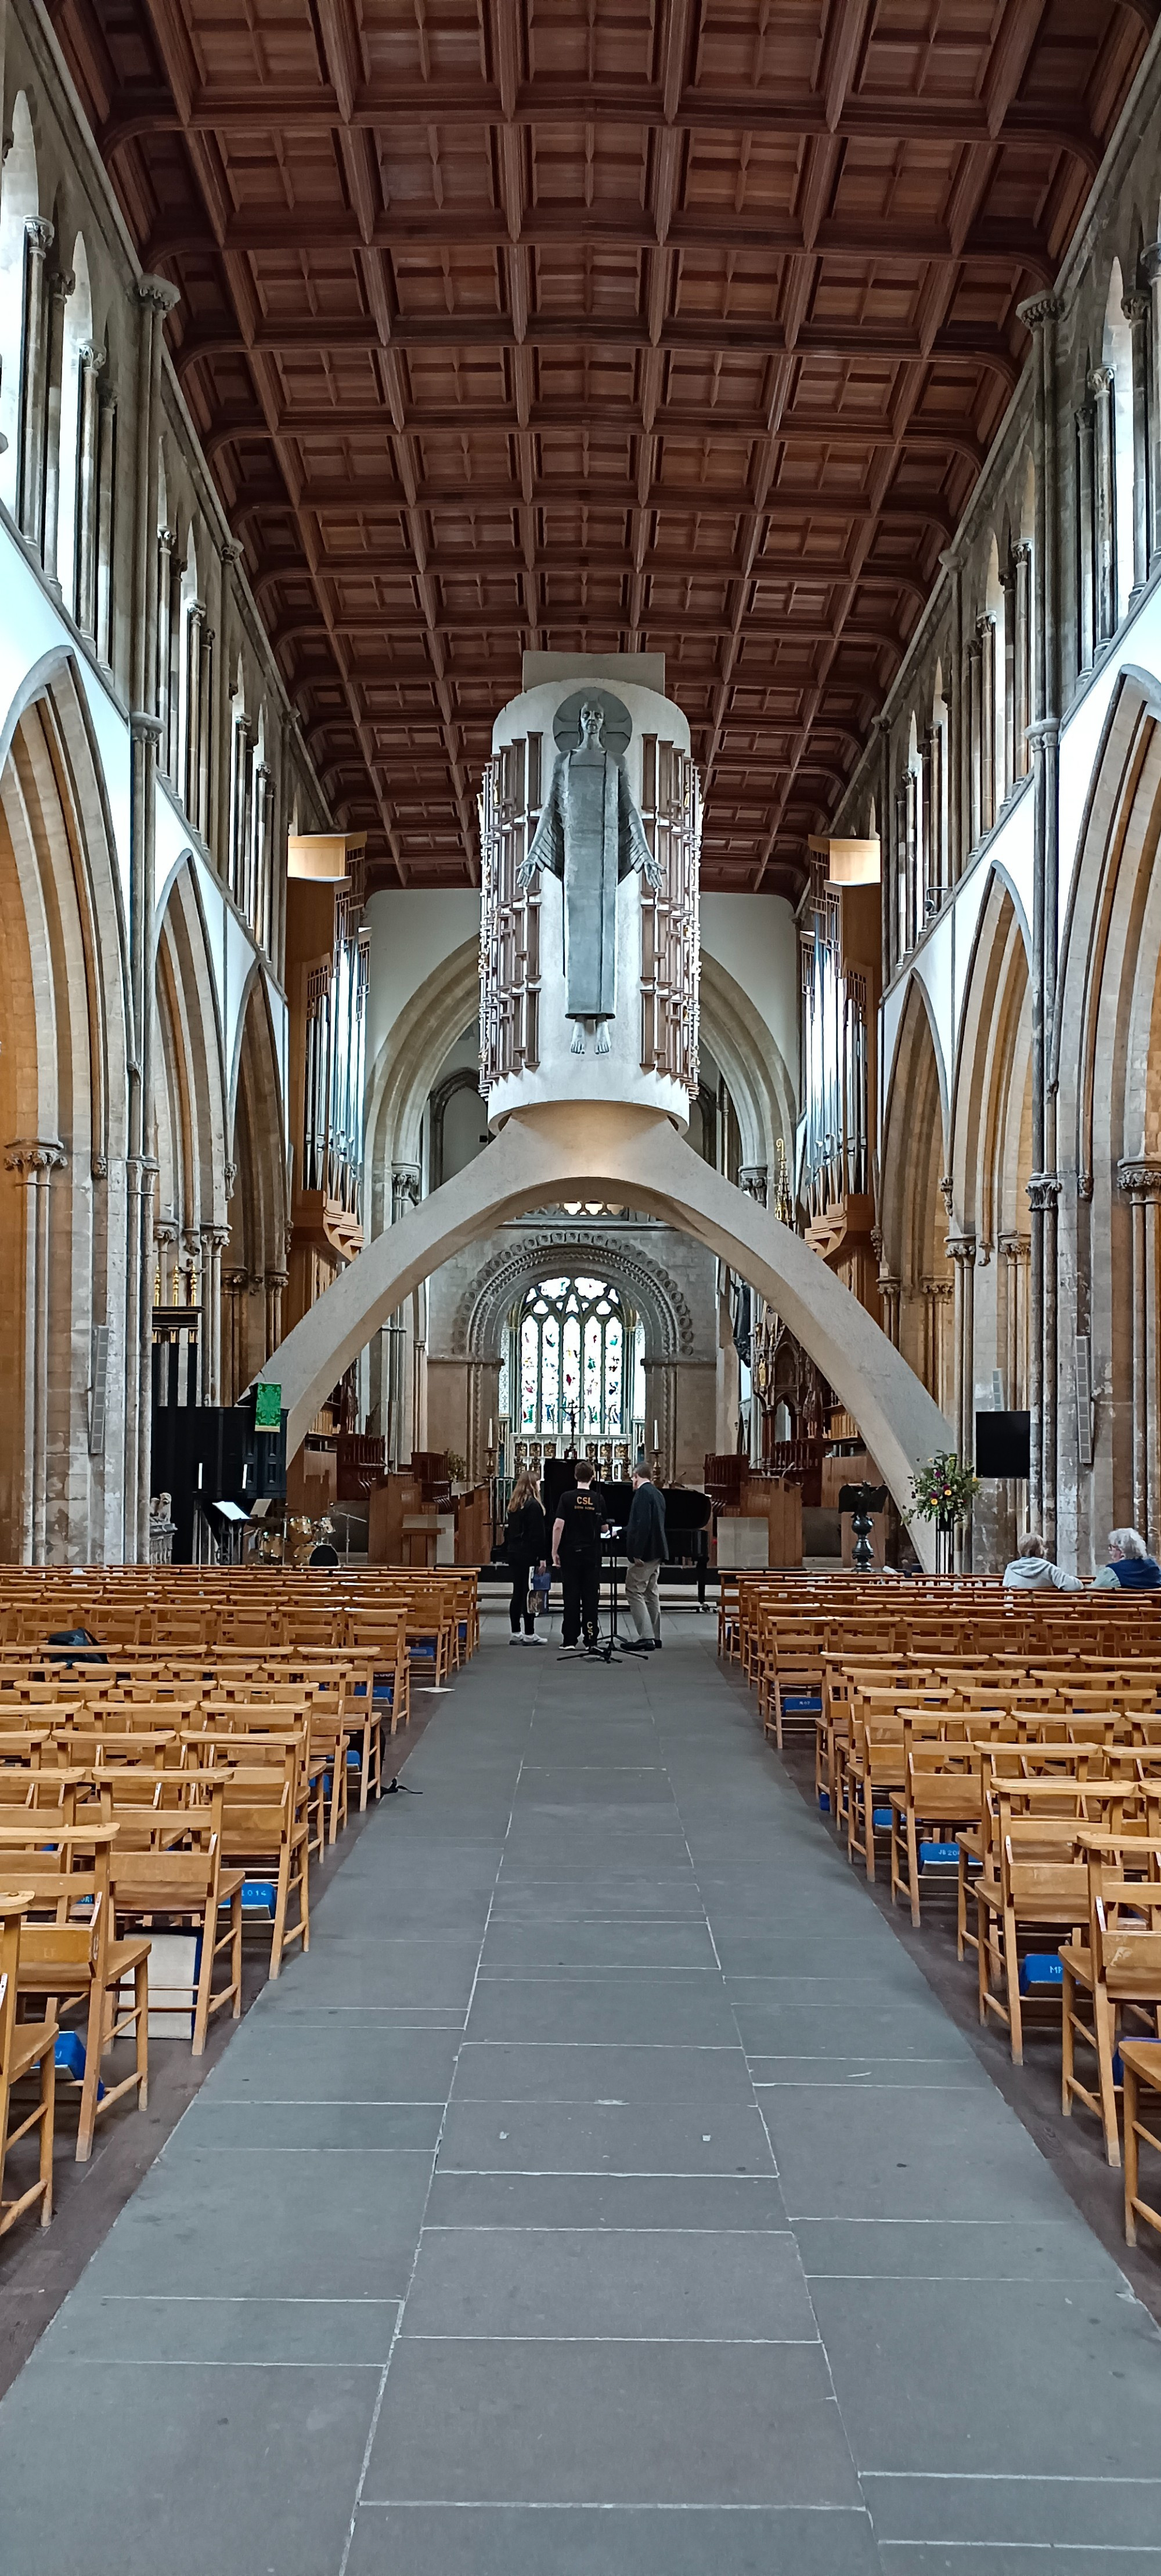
point(869, 2074)
point(1050, 2379)
point(614, 2423)
point(1004, 2560)
point(513, 2540)
point(631, 2285)
point(333, 2057)
point(258, 2127)
point(519, 2071)
point(313, 2223)
point(373, 1972)
point(599, 2135)
point(606, 2007)
point(179, 2471)
point(641, 1896)
point(907, 2155)
point(1074, 2513)
point(534, 1950)
point(713, 2201)
point(914, 2025)
point(989, 2249)
point(320, 2332)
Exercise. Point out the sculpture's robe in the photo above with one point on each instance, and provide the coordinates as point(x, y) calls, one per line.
point(590, 835)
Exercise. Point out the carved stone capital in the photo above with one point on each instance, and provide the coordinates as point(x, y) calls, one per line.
point(753, 1178)
point(231, 550)
point(1101, 382)
point(31, 1155)
point(945, 1191)
point(1141, 1182)
point(277, 1280)
point(61, 285)
point(1045, 729)
point(961, 1248)
point(1150, 263)
point(99, 1167)
point(145, 728)
point(1084, 1186)
point(230, 1178)
point(1037, 310)
point(1043, 1189)
point(1136, 309)
point(39, 235)
point(157, 294)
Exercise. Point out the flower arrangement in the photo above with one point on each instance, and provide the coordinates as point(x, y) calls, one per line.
point(942, 1491)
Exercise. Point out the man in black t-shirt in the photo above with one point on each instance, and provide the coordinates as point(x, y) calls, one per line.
point(576, 1548)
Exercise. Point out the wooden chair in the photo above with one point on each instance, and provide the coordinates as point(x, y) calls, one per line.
point(940, 1798)
point(1042, 1889)
point(188, 1885)
point(1141, 2066)
point(68, 1950)
point(265, 1832)
point(1118, 1969)
point(27, 2048)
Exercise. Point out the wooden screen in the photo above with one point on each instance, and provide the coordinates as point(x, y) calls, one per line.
point(670, 933)
point(509, 920)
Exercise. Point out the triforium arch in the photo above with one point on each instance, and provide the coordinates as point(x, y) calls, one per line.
point(254, 1266)
point(66, 1428)
point(915, 1274)
point(991, 1166)
point(592, 1151)
point(191, 1224)
point(407, 1066)
point(1107, 1069)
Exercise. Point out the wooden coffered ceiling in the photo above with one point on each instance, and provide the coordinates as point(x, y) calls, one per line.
point(674, 325)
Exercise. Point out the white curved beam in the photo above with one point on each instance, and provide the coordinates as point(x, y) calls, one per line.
point(593, 1151)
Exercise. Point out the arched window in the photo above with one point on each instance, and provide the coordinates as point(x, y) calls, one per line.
point(577, 1359)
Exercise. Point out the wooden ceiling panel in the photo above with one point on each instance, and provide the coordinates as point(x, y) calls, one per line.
point(627, 324)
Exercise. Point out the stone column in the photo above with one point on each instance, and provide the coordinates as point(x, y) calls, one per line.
point(883, 729)
point(1086, 548)
point(60, 287)
point(222, 763)
point(1150, 268)
point(961, 1249)
point(1041, 315)
point(406, 1191)
point(986, 632)
point(38, 241)
point(1007, 749)
point(276, 1284)
point(195, 620)
point(88, 420)
point(1141, 1185)
point(975, 658)
point(35, 1159)
point(1104, 502)
point(106, 471)
point(1022, 660)
point(235, 1288)
point(1136, 310)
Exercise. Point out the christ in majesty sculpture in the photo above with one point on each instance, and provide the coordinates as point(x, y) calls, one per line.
point(590, 835)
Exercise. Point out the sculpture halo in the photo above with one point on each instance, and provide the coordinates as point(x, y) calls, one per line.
point(618, 726)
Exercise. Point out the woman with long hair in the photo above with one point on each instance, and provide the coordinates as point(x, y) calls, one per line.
point(525, 1545)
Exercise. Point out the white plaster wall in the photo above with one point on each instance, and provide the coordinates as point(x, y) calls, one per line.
point(413, 931)
point(755, 937)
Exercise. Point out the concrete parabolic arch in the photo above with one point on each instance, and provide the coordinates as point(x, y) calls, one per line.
point(596, 1150)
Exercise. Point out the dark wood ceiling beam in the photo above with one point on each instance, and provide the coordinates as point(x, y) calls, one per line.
point(562, 557)
point(863, 342)
point(346, 499)
point(997, 244)
point(670, 623)
point(148, 109)
point(710, 420)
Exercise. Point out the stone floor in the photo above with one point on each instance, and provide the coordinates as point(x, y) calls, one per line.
point(607, 2193)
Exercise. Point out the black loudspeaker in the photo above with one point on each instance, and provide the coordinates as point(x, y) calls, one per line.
point(1004, 1445)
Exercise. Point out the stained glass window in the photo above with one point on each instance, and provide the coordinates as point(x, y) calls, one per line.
point(572, 1360)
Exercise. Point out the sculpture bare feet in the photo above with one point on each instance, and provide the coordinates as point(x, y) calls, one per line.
point(603, 1038)
point(578, 1039)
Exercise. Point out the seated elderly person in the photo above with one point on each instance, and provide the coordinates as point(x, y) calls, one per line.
point(1130, 1567)
point(1031, 1570)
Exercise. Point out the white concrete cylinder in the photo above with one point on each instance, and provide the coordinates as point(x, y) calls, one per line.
point(559, 1074)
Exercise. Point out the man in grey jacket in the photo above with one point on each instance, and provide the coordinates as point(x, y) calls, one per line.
point(645, 1548)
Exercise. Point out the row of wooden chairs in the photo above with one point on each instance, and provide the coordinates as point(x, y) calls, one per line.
point(149, 1790)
